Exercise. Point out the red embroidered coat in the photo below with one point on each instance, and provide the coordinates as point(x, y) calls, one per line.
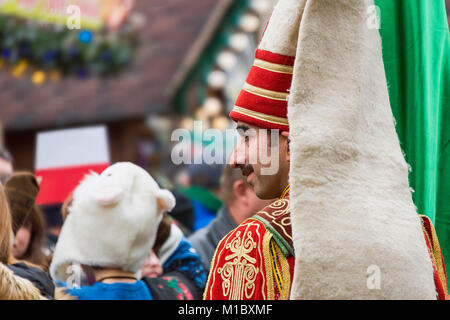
point(255, 261)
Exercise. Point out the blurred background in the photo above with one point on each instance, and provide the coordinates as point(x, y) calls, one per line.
point(136, 71)
point(142, 68)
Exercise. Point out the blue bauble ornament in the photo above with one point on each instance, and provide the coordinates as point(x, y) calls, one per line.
point(85, 36)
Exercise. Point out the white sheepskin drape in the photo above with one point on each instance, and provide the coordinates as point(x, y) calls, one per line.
point(355, 228)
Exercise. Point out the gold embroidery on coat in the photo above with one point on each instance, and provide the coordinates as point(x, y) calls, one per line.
point(267, 261)
point(276, 209)
point(211, 273)
point(239, 272)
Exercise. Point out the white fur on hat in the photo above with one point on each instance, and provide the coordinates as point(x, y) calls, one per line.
point(113, 221)
point(352, 213)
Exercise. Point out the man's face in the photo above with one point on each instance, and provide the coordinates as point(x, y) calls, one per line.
point(6, 169)
point(263, 157)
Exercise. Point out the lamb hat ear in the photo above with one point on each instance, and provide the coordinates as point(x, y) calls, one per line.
point(109, 196)
point(166, 199)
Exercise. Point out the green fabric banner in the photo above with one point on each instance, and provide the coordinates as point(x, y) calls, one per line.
point(416, 52)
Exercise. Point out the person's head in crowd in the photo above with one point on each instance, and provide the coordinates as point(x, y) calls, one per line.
point(53, 222)
point(29, 240)
point(181, 178)
point(183, 212)
point(152, 267)
point(206, 176)
point(238, 195)
point(53, 218)
point(21, 189)
point(6, 165)
point(203, 192)
point(65, 209)
point(5, 228)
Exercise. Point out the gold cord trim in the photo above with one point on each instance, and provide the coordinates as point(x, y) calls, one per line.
point(285, 191)
point(269, 94)
point(261, 116)
point(275, 268)
point(436, 251)
point(286, 274)
point(267, 262)
point(274, 67)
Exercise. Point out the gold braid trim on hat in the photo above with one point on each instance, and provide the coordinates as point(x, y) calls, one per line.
point(269, 94)
point(261, 116)
point(274, 67)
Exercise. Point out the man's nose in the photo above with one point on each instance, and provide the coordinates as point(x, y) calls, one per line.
point(237, 157)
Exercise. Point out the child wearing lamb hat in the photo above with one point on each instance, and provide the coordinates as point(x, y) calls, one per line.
point(112, 226)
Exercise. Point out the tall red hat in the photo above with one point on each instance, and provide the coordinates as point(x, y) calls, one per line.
point(263, 100)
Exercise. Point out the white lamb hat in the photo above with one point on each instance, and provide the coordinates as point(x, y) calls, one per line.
point(113, 221)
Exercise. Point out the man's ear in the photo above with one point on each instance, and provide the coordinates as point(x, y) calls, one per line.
point(288, 151)
point(166, 199)
point(240, 190)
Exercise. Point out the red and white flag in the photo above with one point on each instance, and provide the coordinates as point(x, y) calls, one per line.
point(64, 157)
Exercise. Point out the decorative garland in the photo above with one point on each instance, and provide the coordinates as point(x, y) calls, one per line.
point(56, 50)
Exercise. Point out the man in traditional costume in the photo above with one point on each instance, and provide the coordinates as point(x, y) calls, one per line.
point(350, 210)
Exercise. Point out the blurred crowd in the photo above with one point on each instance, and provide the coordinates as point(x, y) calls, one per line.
point(118, 246)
